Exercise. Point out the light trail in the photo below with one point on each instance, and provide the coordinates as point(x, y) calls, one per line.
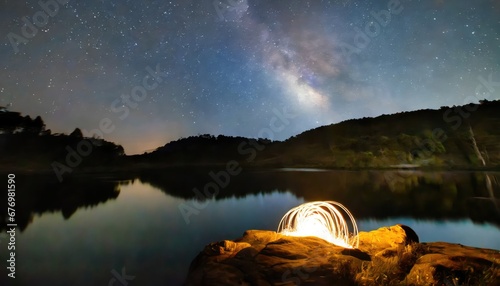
point(323, 219)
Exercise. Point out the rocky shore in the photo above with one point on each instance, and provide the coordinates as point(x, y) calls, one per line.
point(386, 256)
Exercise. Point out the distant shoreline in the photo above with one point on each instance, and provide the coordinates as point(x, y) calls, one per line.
point(140, 169)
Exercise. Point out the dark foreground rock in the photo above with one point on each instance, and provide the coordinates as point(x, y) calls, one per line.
point(386, 256)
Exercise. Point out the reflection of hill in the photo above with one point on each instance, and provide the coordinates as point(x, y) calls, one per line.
point(377, 194)
point(40, 194)
point(180, 182)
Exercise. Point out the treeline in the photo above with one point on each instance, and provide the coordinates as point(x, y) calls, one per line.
point(26, 144)
point(204, 150)
point(13, 122)
point(461, 137)
point(452, 137)
point(449, 137)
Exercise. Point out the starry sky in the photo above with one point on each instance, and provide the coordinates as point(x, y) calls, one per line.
point(156, 71)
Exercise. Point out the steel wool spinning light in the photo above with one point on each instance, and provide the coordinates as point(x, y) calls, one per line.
point(323, 219)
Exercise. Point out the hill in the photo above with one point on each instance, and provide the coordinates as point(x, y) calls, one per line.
point(452, 137)
point(458, 137)
point(202, 150)
point(26, 145)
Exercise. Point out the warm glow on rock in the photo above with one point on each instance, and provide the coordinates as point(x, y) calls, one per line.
point(322, 219)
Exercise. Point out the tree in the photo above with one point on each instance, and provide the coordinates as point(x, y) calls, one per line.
point(35, 126)
point(77, 133)
point(10, 121)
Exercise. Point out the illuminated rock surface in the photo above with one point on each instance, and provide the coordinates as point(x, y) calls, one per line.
point(387, 256)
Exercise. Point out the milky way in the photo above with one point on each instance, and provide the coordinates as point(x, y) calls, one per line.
point(160, 70)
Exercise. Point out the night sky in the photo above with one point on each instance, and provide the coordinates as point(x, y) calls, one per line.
point(159, 70)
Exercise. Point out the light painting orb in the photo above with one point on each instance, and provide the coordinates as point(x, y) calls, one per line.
point(323, 219)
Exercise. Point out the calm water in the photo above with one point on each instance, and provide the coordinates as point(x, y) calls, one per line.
point(79, 232)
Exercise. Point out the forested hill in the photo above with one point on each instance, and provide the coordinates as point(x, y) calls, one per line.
point(452, 137)
point(26, 144)
point(460, 137)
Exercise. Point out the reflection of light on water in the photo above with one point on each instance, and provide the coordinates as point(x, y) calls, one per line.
point(323, 220)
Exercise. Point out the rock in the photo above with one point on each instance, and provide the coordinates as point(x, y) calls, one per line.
point(384, 238)
point(455, 264)
point(386, 256)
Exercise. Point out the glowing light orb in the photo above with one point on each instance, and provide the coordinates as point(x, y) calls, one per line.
point(323, 219)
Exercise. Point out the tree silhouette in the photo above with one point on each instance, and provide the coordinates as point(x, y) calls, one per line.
point(34, 126)
point(77, 133)
point(10, 122)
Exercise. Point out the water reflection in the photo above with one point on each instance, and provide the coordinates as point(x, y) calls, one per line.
point(482, 206)
point(141, 231)
point(39, 194)
point(368, 194)
point(89, 226)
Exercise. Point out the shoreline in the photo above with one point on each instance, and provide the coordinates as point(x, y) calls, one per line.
point(142, 167)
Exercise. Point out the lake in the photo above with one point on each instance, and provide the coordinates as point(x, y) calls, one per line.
point(89, 230)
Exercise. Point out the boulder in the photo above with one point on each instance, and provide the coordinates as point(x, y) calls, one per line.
point(386, 256)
